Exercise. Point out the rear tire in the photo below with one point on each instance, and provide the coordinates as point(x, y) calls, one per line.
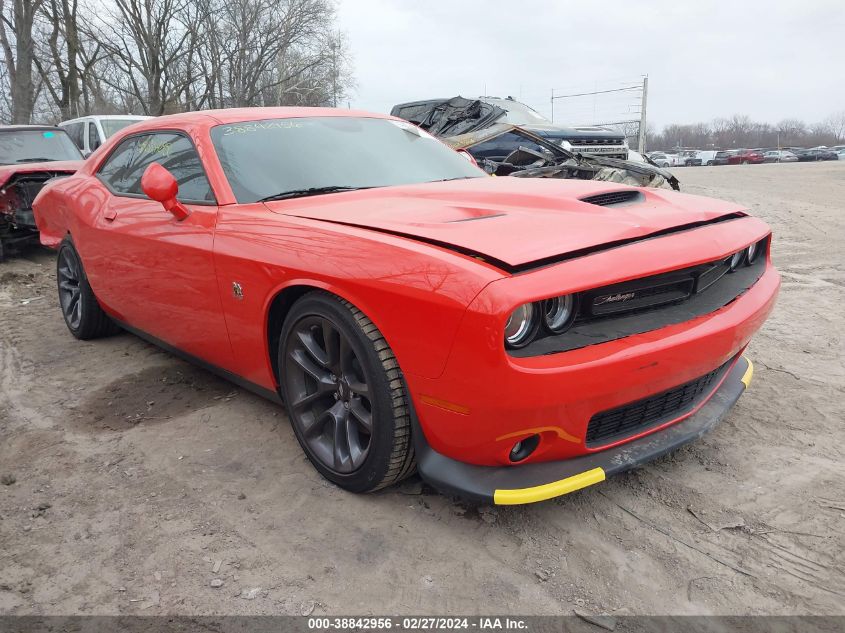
point(82, 312)
point(344, 394)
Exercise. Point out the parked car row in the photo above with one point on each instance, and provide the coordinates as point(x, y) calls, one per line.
point(690, 158)
point(507, 138)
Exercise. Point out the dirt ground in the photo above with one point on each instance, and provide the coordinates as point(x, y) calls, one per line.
point(139, 480)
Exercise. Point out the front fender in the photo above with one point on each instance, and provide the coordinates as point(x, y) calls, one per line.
point(414, 293)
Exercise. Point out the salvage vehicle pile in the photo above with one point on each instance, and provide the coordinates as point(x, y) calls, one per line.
point(475, 126)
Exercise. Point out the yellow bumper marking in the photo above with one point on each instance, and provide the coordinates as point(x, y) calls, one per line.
point(548, 491)
point(746, 377)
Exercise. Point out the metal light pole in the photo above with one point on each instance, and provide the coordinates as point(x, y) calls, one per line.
point(334, 74)
point(641, 137)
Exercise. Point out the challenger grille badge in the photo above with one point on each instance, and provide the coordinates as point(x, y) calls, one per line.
point(237, 291)
point(614, 298)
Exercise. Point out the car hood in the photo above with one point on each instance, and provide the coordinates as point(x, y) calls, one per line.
point(511, 222)
point(58, 166)
point(568, 133)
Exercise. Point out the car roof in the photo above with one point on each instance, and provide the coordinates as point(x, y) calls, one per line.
point(4, 128)
point(120, 117)
point(237, 115)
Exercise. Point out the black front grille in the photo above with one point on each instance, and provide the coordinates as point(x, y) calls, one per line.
point(616, 424)
point(615, 198)
point(601, 140)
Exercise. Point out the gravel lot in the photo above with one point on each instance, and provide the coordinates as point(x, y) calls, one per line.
point(140, 481)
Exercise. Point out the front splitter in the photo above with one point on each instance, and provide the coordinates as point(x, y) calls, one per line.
point(529, 483)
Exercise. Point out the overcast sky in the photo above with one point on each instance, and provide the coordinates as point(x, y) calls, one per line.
point(770, 59)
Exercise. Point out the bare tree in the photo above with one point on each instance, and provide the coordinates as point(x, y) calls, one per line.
point(741, 132)
point(836, 124)
point(160, 56)
point(5, 95)
point(148, 42)
point(271, 47)
point(17, 41)
point(58, 61)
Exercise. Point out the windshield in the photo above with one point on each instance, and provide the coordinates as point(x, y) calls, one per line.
point(265, 158)
point(35, 146)
point(518, 113)
point(111, 126)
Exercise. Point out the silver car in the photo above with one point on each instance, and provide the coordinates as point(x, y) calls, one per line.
point(779, 156)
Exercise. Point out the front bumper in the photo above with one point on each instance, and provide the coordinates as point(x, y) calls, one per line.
point(529, 483)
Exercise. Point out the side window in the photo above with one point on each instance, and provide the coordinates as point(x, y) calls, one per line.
point(93, 137)
point(499, 147)
point(125, 167)
point(76, 132)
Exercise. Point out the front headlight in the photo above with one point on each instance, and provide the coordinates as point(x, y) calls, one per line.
point(558, 313)
point(753, 252)
point(737, 259)
point(521, 326)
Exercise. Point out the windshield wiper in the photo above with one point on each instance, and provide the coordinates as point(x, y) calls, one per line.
point(37, 159)
point(455, 178)
point(310, 191)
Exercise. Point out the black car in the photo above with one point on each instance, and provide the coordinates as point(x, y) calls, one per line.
point(819, 153)
point(451, 117)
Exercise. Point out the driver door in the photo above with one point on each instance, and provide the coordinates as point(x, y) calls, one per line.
point(154, 271)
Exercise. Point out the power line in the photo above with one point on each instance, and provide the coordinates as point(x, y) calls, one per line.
point(615, 109)
point(598, 92)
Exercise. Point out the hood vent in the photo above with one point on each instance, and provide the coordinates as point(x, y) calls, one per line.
point(615, 198)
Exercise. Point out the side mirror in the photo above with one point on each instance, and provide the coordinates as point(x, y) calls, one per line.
point(160, 185)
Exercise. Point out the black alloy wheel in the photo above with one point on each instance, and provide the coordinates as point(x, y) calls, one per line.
point(329, 394)
point(344, 394)
point(82, 312)
point(69, 272)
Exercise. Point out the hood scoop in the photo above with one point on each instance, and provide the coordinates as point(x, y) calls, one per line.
point(619, 198)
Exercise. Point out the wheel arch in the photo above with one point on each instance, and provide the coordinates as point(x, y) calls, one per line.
point(282, 300)
point(277, 311)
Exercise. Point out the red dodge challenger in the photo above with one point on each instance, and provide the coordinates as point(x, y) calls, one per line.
point(513, 339)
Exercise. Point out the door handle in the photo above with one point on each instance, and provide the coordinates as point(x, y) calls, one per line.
point(109, 214)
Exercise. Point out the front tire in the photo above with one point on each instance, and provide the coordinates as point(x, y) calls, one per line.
point(82, 312)
point(344, 394)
